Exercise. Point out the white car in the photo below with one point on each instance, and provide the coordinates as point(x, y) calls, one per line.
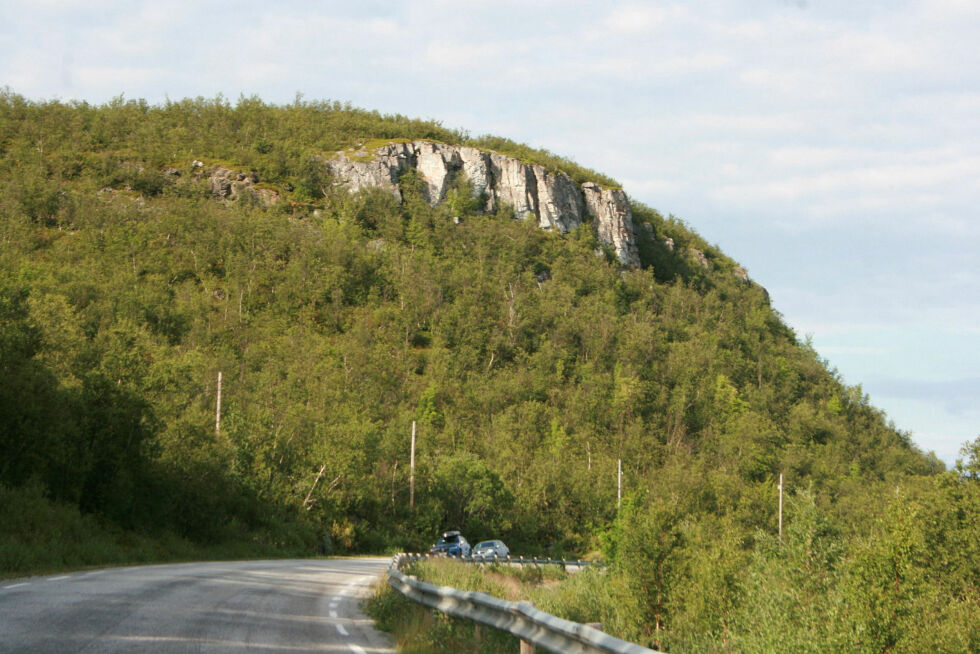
point(491, 548)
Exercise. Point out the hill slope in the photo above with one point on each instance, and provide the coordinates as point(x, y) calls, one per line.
point(133, 272)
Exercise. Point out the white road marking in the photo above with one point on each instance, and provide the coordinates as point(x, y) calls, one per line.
point(343, 632)
point(94, 572)
point(355, 648)
point(61, 578)
point(26, 583)
point(333, 614)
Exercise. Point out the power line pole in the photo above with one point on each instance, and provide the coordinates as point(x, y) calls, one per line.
point(217, 417)
point(619, 485)
point(780, 508)
point(411, 476)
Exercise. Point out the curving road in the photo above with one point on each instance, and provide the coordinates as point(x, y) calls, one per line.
point(243, 606)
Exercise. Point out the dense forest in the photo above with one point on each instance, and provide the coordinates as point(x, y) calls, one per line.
point(531, 362)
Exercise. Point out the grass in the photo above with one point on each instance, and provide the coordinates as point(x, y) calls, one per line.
point(419, 630)
point(366, 150)
point(579, 597)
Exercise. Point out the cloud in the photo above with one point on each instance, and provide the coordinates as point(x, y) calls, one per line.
point(642, 19)
point(958, 396)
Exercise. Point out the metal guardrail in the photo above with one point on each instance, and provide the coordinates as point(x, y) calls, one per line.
point(518, 618)
point(564, 564)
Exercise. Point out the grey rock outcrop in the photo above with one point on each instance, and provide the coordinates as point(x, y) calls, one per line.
point(229, 183)
point(232, 184)
point(613, 220)
point(553, 199)
point(379, 171)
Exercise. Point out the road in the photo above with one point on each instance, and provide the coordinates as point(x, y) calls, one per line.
point(244, 606)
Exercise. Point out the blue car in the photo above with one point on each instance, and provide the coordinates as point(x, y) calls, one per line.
point(452, 543)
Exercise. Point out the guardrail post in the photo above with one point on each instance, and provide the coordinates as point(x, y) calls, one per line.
point(526, 647)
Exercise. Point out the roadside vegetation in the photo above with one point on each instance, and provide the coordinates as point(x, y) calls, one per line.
point(677, 585)
point(421, 630)
point(532, 363)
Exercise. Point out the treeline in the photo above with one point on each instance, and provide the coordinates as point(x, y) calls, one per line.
point(530, 364)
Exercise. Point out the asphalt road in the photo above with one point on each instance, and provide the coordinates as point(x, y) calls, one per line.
point(254, 606)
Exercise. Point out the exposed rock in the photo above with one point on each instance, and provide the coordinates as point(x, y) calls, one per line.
point(229, 183)
point(613, 221)
point(552, 198)
point(699, 257)
point(560, 201)
point(437, 165)
point(513, 183)
point(476, 167)
point(742, 275)
point(382, 169)
point(234, 184)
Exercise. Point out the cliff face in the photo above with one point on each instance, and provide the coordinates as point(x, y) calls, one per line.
point(551, 198)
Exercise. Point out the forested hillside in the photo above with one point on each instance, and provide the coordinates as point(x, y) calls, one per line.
point(532, 362)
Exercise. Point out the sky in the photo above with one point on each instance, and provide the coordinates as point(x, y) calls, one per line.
point(831, 147)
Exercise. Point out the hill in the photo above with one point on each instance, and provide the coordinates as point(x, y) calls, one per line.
point(146, 249)
point(531, 365)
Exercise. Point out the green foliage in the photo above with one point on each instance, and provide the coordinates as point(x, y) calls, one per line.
point(530, 365)
point(544, 158)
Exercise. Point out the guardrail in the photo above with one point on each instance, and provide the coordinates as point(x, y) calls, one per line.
point(518, 618)
point(564, 564)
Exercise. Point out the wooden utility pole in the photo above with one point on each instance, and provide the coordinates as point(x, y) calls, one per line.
point(780, 508)
point(619, 485)
point(217, 418)
point(411, 475)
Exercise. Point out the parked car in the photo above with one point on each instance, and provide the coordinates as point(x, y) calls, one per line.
point(452, 543)
point(491, 548)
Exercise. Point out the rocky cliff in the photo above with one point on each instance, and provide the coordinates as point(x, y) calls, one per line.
point(551, 198)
